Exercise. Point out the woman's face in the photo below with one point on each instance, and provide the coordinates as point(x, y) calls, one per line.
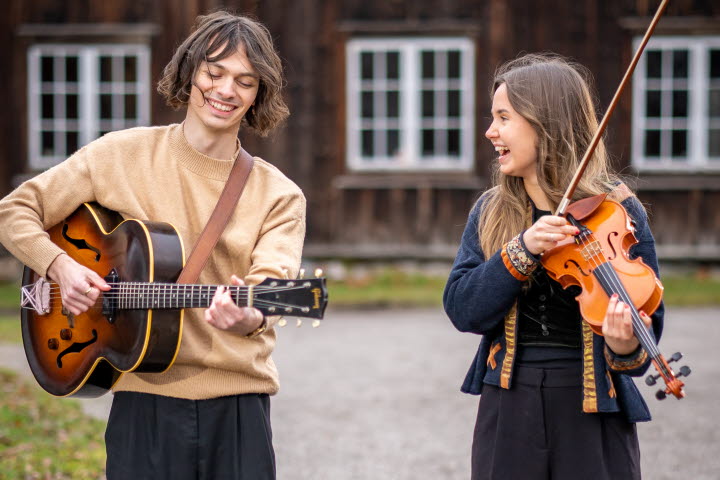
point(514, 138)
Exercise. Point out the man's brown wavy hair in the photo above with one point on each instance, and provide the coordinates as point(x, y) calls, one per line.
point(223, 30)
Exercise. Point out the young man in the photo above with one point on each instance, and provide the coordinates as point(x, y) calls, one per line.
point(208, 416)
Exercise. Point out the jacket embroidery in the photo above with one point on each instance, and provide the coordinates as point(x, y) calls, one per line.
point(589, 390)
point(510, 331)
point(491, 356)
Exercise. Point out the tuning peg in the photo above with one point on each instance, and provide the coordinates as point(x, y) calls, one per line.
point(684, 371)
point(315, 323)
point(675, 357)
point(660, 394)
point(282, 322)
point(318, 272)
point(299, 323)
point(301, 274)
point(652, 379)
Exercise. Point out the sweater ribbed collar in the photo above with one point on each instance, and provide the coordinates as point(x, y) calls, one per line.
point(197, 162)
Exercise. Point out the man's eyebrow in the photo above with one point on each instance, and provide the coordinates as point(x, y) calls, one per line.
point(242, 74)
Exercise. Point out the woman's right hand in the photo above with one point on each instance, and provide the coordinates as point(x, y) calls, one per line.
point(79, 286)
point(547, 232)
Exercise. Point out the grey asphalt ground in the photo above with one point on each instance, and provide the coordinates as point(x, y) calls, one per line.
point(374, 395)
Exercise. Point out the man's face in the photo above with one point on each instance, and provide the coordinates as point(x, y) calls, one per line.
point(223, 92)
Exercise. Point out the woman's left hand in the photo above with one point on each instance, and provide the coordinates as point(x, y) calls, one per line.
point(617, 327)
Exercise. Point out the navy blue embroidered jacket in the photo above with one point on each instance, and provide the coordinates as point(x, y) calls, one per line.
point(481, 295)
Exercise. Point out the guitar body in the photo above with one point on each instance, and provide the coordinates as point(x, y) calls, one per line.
point(85, 355)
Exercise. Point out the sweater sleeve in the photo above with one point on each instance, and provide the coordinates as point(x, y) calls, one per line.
point(40, 203)
point(479, 292)
point(278, 250)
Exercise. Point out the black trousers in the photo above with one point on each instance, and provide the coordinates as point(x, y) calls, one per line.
point(155, 437)
point(537, 430)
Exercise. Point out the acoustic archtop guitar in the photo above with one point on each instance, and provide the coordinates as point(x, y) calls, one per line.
point(136, 326)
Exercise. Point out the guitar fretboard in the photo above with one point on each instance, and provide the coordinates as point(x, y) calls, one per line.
point(141, 295)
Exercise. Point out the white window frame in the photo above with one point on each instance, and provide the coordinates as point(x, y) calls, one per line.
point(410, 89)
point(698, 120)
point(89, 125)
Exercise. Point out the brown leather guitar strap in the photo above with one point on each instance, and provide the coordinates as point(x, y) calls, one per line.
point(218, 220)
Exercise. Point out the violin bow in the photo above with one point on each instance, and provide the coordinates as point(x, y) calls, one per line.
point(562, 207)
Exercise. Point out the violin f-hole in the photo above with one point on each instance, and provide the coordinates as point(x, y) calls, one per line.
point(577, 265)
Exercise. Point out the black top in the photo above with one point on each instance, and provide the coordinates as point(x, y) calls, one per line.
point(549, 321)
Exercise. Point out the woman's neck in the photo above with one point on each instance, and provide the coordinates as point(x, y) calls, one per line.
point(537, 196)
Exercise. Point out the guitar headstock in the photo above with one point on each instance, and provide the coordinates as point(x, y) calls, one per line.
point(302, 297)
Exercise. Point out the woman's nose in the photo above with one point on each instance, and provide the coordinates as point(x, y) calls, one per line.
point(491, 132)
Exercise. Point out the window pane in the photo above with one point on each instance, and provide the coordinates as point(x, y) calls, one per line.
point(428, 103)
point(453, 103)
point(48, 106)
point(367, 143)
point(130, 69)
point(453, 142)
point(393, 142)
point(652, 100)
point(106, 69)
point(71, 69)
point(105, 106)
point(714, 63)
point(392, 61)
point(47, 73)
point(366, 65)
point(428, 64)
point(714, 103)
point(428, 142)
point(652, 143)
point(393, 104)
point(714, 143)
point(366, 105)
point(71, 142)
point(131, 107)
point(47, 147)
point(654, 63)
point(71, 106)
point(680, 64)
point(679, 143)
point(680, 103)
point(453, 64)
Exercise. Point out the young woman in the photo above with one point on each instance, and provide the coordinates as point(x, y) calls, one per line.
point(557, 400)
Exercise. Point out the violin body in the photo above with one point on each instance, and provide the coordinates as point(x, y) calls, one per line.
point(573, 264)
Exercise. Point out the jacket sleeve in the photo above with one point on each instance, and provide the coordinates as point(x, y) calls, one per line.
point(479, 292)
point(637, 363)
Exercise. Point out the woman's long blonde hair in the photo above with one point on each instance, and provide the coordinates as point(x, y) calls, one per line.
point(552, 94)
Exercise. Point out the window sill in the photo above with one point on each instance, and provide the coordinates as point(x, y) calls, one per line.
point(362, 181)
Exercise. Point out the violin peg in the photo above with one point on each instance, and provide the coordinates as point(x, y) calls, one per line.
point(315, 323)
point(299, 323)
point(684, 371)
point(675, 357)
point(282, 322)
point(301, 274)
point(651, 379)
point(318, 272)
point(660, 395)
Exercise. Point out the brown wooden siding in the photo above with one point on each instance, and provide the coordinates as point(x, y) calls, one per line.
point(394, 215)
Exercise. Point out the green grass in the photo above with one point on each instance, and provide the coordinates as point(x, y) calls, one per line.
point(691, 290)
point(391, 288)
point(43, 437)
point(9, 296)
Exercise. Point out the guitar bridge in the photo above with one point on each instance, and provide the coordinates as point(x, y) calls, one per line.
point(36, 297)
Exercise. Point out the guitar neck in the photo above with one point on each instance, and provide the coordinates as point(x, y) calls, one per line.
point(165, 296)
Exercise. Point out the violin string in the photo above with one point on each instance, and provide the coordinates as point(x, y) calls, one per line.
point(614, 283)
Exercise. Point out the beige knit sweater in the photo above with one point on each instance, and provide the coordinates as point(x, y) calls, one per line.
point(154, 174)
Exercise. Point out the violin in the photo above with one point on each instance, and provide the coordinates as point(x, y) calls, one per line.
point(597, 259)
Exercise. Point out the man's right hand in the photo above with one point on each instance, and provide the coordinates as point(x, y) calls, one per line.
point(79, 286)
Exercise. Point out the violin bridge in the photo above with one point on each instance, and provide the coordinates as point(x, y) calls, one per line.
point(592, 250)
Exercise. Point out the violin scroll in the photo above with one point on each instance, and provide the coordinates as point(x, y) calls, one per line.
point(672, 384)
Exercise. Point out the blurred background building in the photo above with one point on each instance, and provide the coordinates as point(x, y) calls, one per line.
point(389, 100)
